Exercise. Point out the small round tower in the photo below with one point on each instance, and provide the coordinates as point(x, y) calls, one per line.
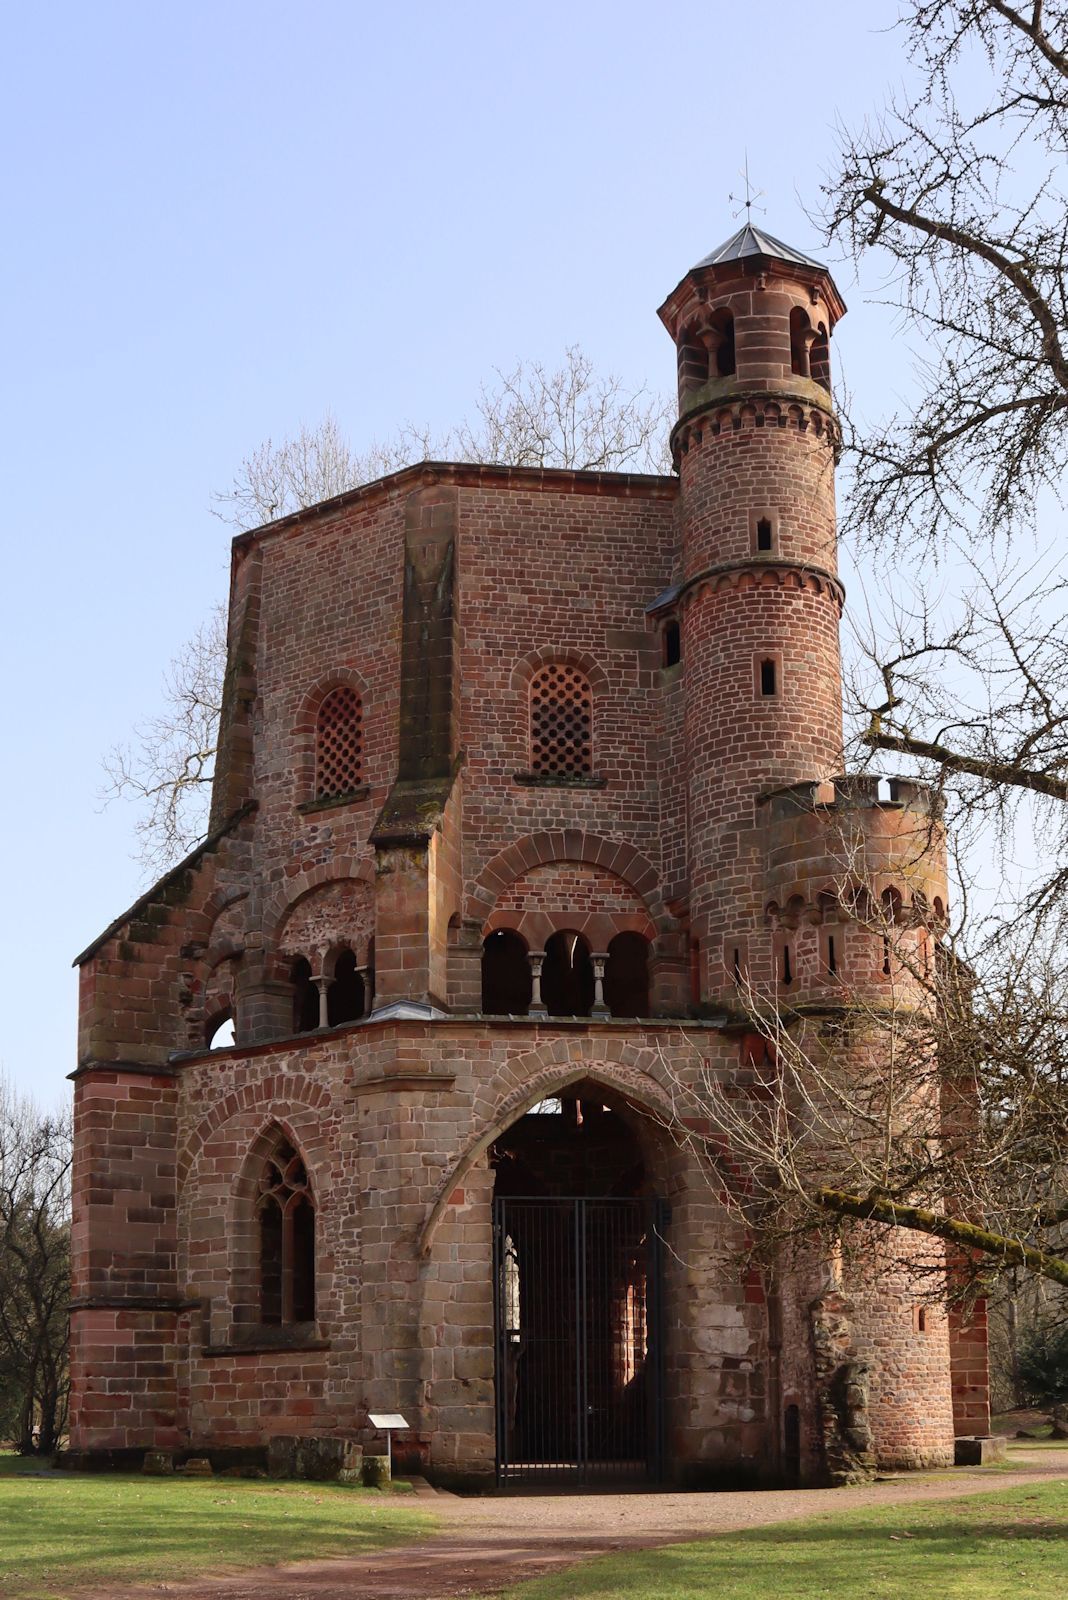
point(759, 599)
point(811, 893)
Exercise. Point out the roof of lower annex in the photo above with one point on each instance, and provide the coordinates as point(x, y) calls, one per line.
point(475, 475)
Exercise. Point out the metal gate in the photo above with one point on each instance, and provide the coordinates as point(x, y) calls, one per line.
point(579, 1346)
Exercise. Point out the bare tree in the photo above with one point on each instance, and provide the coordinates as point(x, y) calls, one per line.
point(937, 1110)
point(314, 464)
point(959, 198)
point(168, 768)
point(958, 1131)
point(533, 416)
point(568, 417)
point(35, 1158)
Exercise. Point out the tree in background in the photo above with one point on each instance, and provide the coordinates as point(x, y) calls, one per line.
point(35, 1159)
point(960, 1131)
point(958, 201)
point(567, 416)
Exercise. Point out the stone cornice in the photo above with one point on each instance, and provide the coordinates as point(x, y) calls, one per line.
point(756, 408)
point(454, 1022)
point(127, 1069)
point(474, 475)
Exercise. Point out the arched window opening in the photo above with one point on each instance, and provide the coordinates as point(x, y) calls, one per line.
point(819, 358)
point(561, 723)
point(767, 678)
point(721, 344)
point(892, 905)
point(339, 744)
point(567, 983)
point(672, 643)
point(800, 339)
point(219, 1034)
point(305, 996)
point(626, 976)
point(693, 363)
point(763, 538)
point(506, 975)
point(345, 998)
point(287, 1240)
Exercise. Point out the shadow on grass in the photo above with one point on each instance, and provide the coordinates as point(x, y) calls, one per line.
point(68, 1527)
point(1001, 1546)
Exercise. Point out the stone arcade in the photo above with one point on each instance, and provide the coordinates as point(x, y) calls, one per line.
point(520, 773)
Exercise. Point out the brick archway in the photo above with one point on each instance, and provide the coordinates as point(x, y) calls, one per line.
point(281, 907)
point(555, 655)
point(543, 849)
point(278, 1098)
point(531, 1078)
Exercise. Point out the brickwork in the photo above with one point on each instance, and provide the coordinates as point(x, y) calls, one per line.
point(468, 700)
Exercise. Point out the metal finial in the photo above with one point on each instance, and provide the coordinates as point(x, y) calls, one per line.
point(751, 195)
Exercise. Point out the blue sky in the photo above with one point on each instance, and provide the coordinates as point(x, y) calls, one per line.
point(224, 220)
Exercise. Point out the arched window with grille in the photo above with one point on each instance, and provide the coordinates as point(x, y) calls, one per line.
point(339, 744)
point(286, 1212)
point(561, 722)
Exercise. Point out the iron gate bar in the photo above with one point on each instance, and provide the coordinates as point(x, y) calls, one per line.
point(578, 1306)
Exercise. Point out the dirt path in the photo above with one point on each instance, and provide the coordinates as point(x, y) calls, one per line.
point(487, 1544)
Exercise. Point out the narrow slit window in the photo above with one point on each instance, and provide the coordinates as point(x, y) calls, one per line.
point(672, 643)
point(722, 340)
point(787, 969)
point(736, 965)
point(768, 684)
point(832, 955)
point(886, 955)
point(763, 540)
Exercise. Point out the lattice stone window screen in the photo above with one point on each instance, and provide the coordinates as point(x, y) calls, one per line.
point(339, 744)
point(561, 723)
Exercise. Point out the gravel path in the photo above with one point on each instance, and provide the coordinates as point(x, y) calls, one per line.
point(490, 1543)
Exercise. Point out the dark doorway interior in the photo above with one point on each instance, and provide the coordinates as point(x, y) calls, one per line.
point(577, 1243)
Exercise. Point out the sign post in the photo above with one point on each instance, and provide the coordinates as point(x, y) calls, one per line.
point(386, 1422)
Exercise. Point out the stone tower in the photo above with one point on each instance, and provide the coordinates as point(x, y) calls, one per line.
point(760, 600)
point(814, 893)
point(528, 782)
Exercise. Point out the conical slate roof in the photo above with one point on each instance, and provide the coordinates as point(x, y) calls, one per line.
point(751, 241)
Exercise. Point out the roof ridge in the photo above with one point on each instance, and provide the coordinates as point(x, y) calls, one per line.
point(749, 240)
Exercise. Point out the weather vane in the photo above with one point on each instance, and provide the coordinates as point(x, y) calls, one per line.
point(751, 194)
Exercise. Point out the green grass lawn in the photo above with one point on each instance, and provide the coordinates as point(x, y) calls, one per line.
point(65, 1531)
point(1001, 1546)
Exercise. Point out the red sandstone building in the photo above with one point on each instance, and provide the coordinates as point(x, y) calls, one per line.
point(520, 772)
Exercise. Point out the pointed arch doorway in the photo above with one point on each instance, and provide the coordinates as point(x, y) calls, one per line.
point(578, 1240)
